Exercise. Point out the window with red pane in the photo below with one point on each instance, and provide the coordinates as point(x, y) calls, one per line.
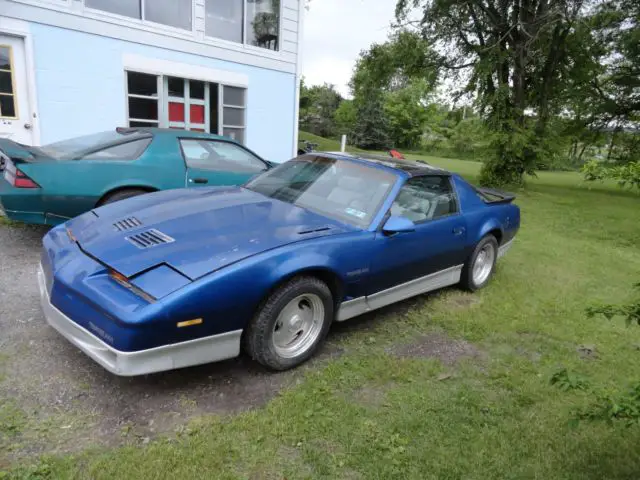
point(186, 104)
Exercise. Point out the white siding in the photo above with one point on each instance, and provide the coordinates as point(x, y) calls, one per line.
point(72, 15)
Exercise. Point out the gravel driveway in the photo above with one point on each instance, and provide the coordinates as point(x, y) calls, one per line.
point(54, 399)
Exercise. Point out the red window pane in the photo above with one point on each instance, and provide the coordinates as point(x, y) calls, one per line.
point(176, 112)
point(197, 114)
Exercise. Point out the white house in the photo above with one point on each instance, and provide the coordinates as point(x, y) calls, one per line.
point(73, 67)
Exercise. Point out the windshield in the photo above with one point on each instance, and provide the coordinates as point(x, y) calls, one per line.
point(74, 147)
point(338, 189)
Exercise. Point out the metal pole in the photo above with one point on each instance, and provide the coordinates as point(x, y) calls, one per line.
point(343, 144)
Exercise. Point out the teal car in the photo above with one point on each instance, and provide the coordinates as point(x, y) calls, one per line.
point(50, 184)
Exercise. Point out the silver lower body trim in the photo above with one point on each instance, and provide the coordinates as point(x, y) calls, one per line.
point(358, 306)
point(168, 357)
point(503, 249)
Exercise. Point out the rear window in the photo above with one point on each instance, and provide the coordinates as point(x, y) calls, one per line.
point(124, 151)
point(81, 146)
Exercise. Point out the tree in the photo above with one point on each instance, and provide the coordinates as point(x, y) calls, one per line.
point(406, 111)
point(371, 129)
point(516, 57)
point(345, 118)
point(318, 106)
point(399, 74)
point(392, 65)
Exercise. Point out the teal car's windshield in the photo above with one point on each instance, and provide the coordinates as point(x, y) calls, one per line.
point(74, 147)
point(346, 191)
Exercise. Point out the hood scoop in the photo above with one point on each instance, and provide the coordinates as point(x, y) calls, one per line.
point(127, 224)
point(149, 238)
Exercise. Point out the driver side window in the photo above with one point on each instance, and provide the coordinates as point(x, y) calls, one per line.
point(426, 198)
point(220, 156)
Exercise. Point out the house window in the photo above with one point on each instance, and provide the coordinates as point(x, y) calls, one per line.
point(174, 13)
point(233, 113)
point(187, 104)
point(7, 87)
point(143, 100)
point(263, 23)
point(254, 22)
point(174, 102)
point(224, 19)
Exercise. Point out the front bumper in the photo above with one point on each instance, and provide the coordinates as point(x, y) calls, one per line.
point(169, 357)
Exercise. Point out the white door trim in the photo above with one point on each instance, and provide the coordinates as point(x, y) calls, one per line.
point(20, 29)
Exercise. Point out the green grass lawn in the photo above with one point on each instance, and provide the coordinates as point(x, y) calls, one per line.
point(371, 414)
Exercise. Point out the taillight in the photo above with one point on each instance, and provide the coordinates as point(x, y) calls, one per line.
point(22, 181)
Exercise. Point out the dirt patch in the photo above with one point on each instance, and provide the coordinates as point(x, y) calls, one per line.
point(461, 300)
point(71, 403)
point(587, 352)
point(371, 396)
point(440, 346)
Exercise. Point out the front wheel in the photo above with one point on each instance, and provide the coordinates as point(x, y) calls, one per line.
point(291, 324)
point(481, 264)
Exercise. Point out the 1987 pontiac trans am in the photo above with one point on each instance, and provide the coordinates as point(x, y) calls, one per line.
point(185, 277)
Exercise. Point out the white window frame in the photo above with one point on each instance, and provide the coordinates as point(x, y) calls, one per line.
point(222, 106)
point(244, 31)
point(14, 88)
point(163, 98)
point(157, 97)
point(142, 22)
point(187, 101)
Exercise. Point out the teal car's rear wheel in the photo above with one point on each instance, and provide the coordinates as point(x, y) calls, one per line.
point(122, 195)
point(291, 324)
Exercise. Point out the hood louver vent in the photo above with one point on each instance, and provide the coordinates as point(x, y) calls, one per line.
point(127, 224)
point(149, 238)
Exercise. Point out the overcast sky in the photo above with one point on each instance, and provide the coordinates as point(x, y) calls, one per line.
point(334, 33)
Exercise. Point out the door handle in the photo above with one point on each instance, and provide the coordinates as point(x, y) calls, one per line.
point(459, 231)
point(200, 180)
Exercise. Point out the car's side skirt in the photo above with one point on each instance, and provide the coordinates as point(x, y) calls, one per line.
point(434, 281)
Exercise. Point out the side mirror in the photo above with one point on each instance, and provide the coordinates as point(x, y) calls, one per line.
point(397, 224)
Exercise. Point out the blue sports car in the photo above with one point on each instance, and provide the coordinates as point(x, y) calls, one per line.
point(186, 277)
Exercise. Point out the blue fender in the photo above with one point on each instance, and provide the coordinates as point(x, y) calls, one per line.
point(488, 226)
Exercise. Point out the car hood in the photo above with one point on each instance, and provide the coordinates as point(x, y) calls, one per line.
point(194, 231)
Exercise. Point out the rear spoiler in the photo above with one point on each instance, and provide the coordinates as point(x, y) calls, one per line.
point(13, 151)
point(490, 195)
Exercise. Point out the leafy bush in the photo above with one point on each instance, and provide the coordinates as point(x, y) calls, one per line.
point(625, 407)
point(627, 175)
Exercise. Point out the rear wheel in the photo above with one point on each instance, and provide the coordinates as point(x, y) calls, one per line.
point(291, 324)
point(122, 195)
point(480, 266)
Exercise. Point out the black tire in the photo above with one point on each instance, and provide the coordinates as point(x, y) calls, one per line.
point(258, 340)
point(467, 280)
point(122, 195)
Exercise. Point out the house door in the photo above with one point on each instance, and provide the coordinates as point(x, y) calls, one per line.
point(15, 111)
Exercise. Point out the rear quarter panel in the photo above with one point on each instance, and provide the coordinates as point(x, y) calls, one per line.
point(483, 218)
